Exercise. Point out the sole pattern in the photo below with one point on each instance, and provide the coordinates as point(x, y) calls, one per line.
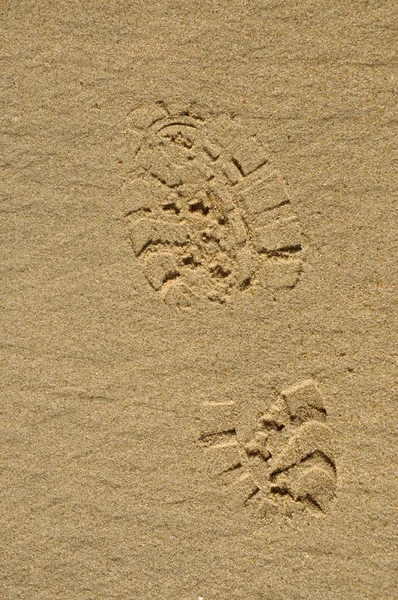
point(283, 462)
point(208, 217)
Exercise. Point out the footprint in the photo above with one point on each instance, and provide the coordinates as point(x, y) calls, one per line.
point(287, 464)
point(204, 195)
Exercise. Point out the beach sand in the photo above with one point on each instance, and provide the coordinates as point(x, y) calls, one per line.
point(199, 300)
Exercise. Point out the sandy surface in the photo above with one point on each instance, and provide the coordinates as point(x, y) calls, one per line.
point(199, 300)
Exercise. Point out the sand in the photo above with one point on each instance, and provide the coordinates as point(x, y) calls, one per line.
point(199, 300)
